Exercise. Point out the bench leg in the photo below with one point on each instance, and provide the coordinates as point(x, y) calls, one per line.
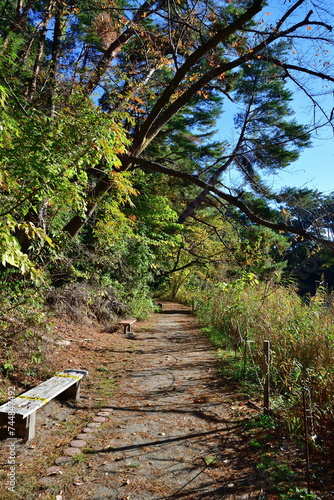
point(25, 427)
point(127, 329)
point(21, 428)
point(72, 392)
point(129, 333)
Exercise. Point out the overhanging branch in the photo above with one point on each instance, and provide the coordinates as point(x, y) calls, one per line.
point(233, 200)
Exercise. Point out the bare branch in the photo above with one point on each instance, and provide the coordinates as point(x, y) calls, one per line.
point(301, 69)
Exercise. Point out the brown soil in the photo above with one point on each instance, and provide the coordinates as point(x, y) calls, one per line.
point(172, 427)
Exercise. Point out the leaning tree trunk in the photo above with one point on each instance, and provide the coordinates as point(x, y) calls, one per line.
point(96, 194)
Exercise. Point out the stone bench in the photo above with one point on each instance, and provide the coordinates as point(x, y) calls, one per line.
point(19, 414)
point(127, 323)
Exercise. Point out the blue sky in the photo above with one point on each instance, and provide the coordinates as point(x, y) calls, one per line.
point(315, 167)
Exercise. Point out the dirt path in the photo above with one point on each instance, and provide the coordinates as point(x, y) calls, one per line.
point(169, 422)
point(169, 430)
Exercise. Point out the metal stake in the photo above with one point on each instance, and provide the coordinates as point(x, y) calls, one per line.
point(266, 401)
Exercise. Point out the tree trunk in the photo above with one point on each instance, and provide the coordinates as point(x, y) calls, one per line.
point(56, 50)
point(40, 51)
point(21, 16)
point(96, 194)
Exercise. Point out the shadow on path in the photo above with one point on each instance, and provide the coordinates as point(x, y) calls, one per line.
point(172, 433)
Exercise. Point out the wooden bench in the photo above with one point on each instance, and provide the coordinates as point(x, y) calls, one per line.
point(19, 414)
point(127, 323)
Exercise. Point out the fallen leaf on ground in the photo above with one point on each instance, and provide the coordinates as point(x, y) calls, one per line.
point(210, 460)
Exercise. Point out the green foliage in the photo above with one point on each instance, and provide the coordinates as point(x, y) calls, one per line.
point(262, 422)
point(8, 367)
point(273, 140)
point(103, 369)
point(10, 249)
point(36, 358)
point(44, 163)
point(298, 494)
point(23, 314)
point(53, 157)
point(141, 304)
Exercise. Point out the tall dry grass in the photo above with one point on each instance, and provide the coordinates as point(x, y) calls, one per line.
point(302, 345)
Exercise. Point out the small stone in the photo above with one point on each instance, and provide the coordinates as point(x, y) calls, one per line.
point(63, 342)
point(63, 460)
point(82, 436)
point(99, 419)
point(130, 335)
point(107, 410)
point(47, 481)
point(89, 429)
point(54, 471)
point(93, 424)
point(71, 452)
point(78, 443)
point(103, 414)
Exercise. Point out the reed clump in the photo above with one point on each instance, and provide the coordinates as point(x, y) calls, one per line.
point(301, 333)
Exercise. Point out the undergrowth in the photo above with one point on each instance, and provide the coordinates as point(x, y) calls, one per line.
point(28, 311)
point(239, 316)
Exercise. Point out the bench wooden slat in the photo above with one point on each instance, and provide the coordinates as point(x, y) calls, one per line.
point(127, 322)
point(25, 405)
point(33, 399)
